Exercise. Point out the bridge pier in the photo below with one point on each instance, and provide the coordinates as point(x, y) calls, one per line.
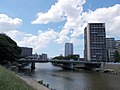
point(68, 66)
point(33, 65)
point(79, 66)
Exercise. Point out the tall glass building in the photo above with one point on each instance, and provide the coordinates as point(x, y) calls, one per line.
point(95, 42)
point(68, 49)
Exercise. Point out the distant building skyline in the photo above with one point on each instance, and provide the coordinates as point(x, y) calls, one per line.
point(92, 28)
point(68, 49)
point(47, 25)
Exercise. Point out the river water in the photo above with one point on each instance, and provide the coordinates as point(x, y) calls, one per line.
point(60, 79)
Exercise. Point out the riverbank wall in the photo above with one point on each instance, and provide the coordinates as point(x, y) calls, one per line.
point(110, 67)
point(34, 84)
point(114, 66)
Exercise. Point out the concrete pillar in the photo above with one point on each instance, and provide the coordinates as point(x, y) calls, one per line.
point(33, 65)
point(68, 66)
point(71, 66)
point(103, 64)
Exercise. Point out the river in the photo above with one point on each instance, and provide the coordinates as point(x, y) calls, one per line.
point(60, 79)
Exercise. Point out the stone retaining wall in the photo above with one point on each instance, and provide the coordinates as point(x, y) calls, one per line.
point(114, 66)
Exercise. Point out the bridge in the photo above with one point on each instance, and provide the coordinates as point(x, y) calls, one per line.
point(66, 64)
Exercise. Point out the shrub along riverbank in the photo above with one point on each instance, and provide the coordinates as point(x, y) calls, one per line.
point(10, 81)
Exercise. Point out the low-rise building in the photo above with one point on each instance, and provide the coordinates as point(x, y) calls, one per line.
point(118, 45)
point(118, 48)
point(110, 47)
point(26, 51)
point(111, 53)
point(44, 56)
point(81, 59)
point(117, 42)
point(38, 57)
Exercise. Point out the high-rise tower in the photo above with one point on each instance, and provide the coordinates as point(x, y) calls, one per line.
point(68, 49)
point(95, 42)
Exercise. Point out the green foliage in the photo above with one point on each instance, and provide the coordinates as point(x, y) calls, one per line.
point(117, 56)
point(74, 57)
point(9, 51)
point(9, 81)
point(59, 57)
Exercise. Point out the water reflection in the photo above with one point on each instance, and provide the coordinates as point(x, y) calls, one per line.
point(74, 80)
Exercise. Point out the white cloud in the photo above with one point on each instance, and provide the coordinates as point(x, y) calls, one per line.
point(53, 15)
point(7, 23)
point(17, 35)
point(41, 40)
point(37, 42)
point(110, 16)
point(76, 41)
point(64, 9)
point(76, 19)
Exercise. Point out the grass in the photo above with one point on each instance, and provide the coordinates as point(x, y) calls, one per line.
point(10, 81)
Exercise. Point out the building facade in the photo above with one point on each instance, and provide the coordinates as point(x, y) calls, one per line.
point(118, 48)
point(95, 42)
point(117, 42)
point(110, 46)
point(25, 51)
point(68, 49)
point(38, 57)
point(44, 56)
point(110, 43)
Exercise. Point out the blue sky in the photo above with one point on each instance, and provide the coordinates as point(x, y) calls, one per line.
point(46, 25)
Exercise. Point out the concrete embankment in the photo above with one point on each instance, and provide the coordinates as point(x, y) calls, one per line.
point(34, 84)
point(111, 67)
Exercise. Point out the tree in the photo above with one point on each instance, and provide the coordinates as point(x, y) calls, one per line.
point(74, 57)
point(9, 51)
point(59, 57)
point(117, 56)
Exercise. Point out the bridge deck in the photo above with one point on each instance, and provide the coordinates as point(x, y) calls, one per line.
point(56, 61)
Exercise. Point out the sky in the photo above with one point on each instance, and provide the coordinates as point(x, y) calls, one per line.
point(46, 25)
